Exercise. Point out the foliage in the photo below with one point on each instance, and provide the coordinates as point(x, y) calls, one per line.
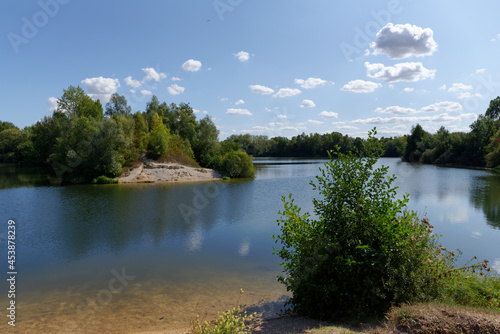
point(236, 164)
point(76, 103)
point(229, 322)
point(104, 180)
point(412, 153)
point(493, 110)
point(13, 145)
point(117, 105)
point(158, 138)
point(365, 252)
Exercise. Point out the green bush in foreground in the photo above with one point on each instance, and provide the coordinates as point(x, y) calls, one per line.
point(229, 322)
point(365, 252)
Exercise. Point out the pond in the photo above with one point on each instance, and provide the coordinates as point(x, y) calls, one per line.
point(132, 258)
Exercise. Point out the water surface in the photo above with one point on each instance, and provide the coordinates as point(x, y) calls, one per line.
point(188, 248)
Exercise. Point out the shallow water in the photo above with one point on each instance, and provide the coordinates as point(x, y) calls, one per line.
point(187, 249)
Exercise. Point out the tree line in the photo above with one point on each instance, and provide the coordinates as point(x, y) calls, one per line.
point(479, 148)
point(83, 140)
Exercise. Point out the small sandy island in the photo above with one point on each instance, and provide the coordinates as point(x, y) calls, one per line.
point(149, 171)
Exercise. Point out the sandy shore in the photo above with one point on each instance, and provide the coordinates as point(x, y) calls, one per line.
point(167, 172)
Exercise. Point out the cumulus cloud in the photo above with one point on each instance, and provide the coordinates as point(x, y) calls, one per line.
point(307, 104)
point(468, 95)
point(281, 116)
point(396, 110)
point(52, 102)
point(151, 74)
point(239, 102)
point(175, 79)
point(403, 41)
point(399, 72)
point(175, 89)
point(242, 56)
point(191, 65)
point(310, 82)
point(262, 90)
point(443, 106)
point(146, 92)
point(480, 70)
point(441, 118)
point(312, 121)
point(101, 88)
point(408, 90)
point(447, 106)
point(131, 82)
point(347, 127)
point(238, 111)
point(360, 86)
point(286, 92)
point(459, 87)
point(443, 87)
point(329, 114)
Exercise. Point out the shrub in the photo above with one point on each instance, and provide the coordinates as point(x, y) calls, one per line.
point(229, 322)
point(236, 164)
point(365, 252)
point(104, 180)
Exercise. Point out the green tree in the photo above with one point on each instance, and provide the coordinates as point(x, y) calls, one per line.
point(75, 102)
point(158, 138)
point(493, 110)
point(412, 154)
point(13, 144)
point(117, 105)
point(206, 141)
point(364, 252)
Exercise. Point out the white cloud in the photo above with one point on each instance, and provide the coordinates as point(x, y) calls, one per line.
point(399, 72)
point(468, 95)
point(146, 92)
point(191, 65)
point(286, 92)
point(441, 118)
point(408, 90)
point(403, 41)
point(101, 88)
point(52, 102)
point(151, 74)
point(242, 56)
point(223, 99)
point(239, 102)
point(447, 106)
point(347, 127)
point(131, 82)
point(480, 70)
point(262, 90)
point(396, 110)
point(267, 109)
point(307, 104)
point(282, 116)
point(238, 111)
point(312, 121)
point(360, 86)
point(459, 87)
point(175, 79)
point(329, 114)
point(310, 82)
point(289, 128)
point(443, 106)
point(175, 89)
point(443, 87)
point(261, 128)
point(132, 91)
point(196, 111)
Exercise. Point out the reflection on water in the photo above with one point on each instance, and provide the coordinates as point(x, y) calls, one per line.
point(192, 246)
point(486, 196)
point(13, 176)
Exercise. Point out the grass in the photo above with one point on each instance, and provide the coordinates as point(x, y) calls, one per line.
point(104, 180)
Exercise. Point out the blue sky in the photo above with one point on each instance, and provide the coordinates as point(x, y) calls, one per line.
point(277, 68)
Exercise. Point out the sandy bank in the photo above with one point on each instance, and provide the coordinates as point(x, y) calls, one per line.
point(167, 172)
